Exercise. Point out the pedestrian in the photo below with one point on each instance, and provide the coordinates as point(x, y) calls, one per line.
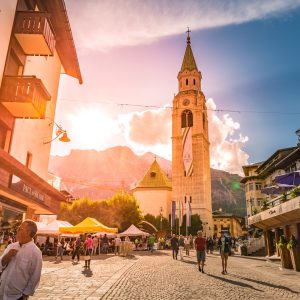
point(174, 246)
point(224, 246)
point(151, 241)
point(60, 249)
point(21, 265)
point(187, 245)
point(105, 244)
point(88, 243)
point(181, 246)
point(76, 249)
point(200, 248)
point(209, 245)
point(95, 244)
point(117, 245)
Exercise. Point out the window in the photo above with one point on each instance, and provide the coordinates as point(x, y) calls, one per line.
point(251, 186)
point(203, 120)
point(152, 174)
point(186, 119)
point(194, 81)
point(28, 160)
point(184, 199)
point(186, 82)
point(190, 199)
point(258, 186)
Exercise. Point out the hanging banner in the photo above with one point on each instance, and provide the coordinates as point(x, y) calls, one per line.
point(173, 214)
point(187, 150)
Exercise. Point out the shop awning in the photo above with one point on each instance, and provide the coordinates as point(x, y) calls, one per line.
point(88, 225)
point(284, 213)
point(292, 178)
point(53, 227)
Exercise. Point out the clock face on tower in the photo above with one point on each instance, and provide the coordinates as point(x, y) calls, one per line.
point(186, 102)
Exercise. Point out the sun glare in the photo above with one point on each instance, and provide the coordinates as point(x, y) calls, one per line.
point(92, 129)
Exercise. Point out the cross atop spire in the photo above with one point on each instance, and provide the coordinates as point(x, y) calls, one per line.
point(188, 40)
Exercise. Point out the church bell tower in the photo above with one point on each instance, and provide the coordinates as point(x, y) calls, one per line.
point(191, 180)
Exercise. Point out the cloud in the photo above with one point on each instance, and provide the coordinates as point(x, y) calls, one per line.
point(226, 150)
point(151, 130)
point(113, 23)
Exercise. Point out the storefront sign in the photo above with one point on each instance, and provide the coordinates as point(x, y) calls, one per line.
point(288, 206)
point(20, 186)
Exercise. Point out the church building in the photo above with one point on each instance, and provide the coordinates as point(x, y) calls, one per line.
point(191, 180)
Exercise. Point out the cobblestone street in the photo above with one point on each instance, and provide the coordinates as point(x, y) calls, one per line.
point(158, 276)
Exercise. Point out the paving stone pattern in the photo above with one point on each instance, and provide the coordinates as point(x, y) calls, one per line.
point(158, 276)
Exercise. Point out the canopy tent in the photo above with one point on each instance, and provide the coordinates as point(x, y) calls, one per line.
point(88, 225)
point(40, 225)
point(292, 178)
point(277, 189)
point(53, 227)
point(134, 231)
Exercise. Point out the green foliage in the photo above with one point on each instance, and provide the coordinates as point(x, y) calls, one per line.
point(293, 243)
point(254, 211)
point(282, 242)
point(161, 223)
point(120, 211)
point(265, 205)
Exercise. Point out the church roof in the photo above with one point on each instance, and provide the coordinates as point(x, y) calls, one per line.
point(189, 62)
point(155, 178)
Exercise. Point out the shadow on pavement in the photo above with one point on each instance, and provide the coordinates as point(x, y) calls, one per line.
point(244, 285)
point(265, 283)
point(87, 272)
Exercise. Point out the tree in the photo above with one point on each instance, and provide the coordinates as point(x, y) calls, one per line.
point(196, 224)
point(120, 211)
point(161, 223)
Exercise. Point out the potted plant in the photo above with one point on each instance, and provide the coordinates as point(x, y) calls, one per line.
point(292, 246)
point(265, 205)
point(285, 257)
point(254, 211)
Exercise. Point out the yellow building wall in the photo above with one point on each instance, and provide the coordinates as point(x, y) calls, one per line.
point(235, 227)
point(7, 14)
point(29, 135)
point(151, 201)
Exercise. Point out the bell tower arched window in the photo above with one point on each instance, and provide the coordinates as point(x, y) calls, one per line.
point(186, 119)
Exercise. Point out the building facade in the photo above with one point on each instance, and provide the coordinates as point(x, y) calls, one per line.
point(280, 213)
point(154, 192)
point(229, 223)
point(190, 142)
point(36, 46)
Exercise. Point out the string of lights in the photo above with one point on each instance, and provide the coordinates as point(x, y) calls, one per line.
point(170, 107)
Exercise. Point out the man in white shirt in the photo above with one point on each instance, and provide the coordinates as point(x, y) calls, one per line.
point(117, 245)
point(21, 265)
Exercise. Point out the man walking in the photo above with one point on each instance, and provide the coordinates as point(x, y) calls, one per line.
point(21, 265)
point(76, 249)
point(174, 246)
point(200, 248)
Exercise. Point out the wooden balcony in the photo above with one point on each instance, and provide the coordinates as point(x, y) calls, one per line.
point(24, 96)
point(34, 32)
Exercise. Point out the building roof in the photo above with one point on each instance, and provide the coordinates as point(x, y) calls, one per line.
point(270, 164)
point(155, 178)
point(64, 39)
point(189, 62)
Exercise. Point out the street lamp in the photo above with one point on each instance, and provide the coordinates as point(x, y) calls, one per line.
point(161, 217)
point(60, 133)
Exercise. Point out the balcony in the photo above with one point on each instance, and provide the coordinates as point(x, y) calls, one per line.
point(34, 32)
point(24, 96)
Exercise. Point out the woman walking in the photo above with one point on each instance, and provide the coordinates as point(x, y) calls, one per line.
point(224, 245)
point(88, 251)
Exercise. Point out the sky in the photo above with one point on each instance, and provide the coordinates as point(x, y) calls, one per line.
point(130, 53)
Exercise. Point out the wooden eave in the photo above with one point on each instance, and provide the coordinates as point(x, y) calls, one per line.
point(64, 39)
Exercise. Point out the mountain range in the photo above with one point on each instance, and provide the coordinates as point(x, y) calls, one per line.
point(99, 174)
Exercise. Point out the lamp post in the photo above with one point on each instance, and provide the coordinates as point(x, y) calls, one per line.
point(59, 132)
point(161, 217)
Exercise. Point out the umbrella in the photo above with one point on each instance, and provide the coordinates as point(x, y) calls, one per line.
point(292, 178)
point(277, 189)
